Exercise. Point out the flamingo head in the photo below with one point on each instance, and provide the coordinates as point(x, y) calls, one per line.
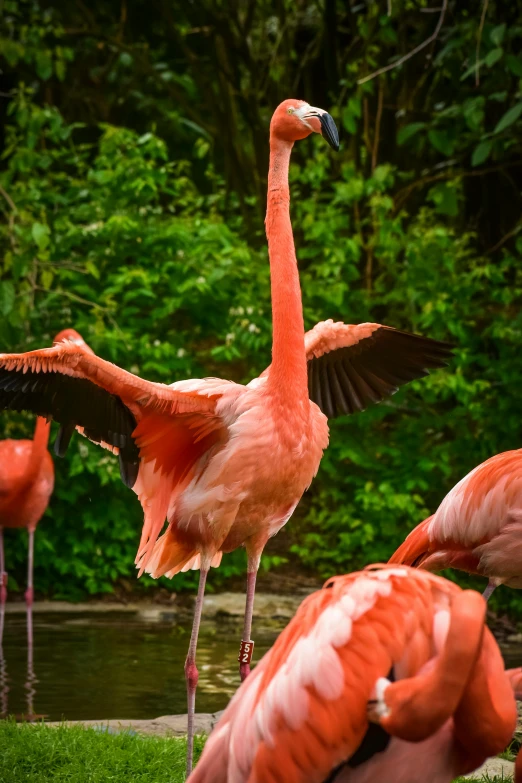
point(71, 336)
point(294, 120)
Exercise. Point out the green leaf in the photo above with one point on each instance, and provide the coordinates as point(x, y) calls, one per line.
point(497, 34)
point(445, 200)
point(408, 131)
point(441, 141)
point(7, 297)
point(59, 68)
point(481, 152)
point(40, 233)
point(514, 64)
point(44, 64)
point(46, 278)
point(493, 57)
point(349, 120)
point(509, 118)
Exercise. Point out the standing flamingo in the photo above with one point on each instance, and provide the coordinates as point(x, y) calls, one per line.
point(477, 528)
point(389, 674)
point(27, 482)
point(226, 464)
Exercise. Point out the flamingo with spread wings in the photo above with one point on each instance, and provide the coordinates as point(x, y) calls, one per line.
point(26, 484)
point(226, 464)
point(477, 528)
point(389, 674)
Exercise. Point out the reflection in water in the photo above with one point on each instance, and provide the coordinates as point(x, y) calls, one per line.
point(93, 666)
point(31, 680)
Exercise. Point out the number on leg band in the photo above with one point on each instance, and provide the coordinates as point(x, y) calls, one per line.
point(245, 652)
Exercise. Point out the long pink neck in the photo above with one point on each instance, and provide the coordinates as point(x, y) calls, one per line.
point(288, 376)
point(40, 441)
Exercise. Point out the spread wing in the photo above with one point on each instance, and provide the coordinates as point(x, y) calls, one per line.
point(350, 367)
point(73, 386)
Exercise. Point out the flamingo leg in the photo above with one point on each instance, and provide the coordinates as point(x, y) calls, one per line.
point(30, 561)
point(3, 574)
point(247, 645)
point(191, 670)
point(492, 585)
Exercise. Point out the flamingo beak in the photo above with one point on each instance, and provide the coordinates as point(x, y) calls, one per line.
point(329, 130)
point(328, 127)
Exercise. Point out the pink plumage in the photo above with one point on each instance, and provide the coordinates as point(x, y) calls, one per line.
point(477, 527)
point(384, 675)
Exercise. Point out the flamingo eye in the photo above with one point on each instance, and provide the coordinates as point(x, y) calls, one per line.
point(291, 110)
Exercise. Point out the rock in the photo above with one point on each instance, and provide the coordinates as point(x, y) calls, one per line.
point(266, 605)
point(231, 604)
point(164, 726)
point(492, 768)
point(515, 638)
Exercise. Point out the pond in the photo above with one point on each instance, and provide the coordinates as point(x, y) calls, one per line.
point(91, 666)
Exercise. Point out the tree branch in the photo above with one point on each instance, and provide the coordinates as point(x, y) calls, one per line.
point(514, 231)
point(403, 195)
point(479, 39)
point(378, 118)
point(413, 52)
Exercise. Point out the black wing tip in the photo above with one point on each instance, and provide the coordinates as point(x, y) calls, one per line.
point(129, 469)
point(442, 345)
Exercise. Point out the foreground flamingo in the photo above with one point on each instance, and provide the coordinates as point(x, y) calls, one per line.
point(477, 528)
point(26, 484)
point(389, 674)
point(225, 463)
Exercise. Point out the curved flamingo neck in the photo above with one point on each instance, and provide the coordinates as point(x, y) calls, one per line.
point(288, 376)
point(40, 441)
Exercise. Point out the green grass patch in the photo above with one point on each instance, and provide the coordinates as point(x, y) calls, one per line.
point(35, 753)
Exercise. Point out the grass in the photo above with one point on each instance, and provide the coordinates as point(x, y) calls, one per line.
point(35, 753)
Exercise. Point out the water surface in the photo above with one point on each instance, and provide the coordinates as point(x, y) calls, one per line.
point(117, 666)
point(89, 666)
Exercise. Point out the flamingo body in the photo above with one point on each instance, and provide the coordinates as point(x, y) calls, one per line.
point(387, 674)
point(242, 488)
point(477, 527)
point(24, 496)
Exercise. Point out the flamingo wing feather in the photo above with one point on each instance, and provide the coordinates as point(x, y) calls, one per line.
point(351, 367)
point(78, 389)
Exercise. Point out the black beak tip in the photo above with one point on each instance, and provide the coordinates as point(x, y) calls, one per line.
point(329, 130)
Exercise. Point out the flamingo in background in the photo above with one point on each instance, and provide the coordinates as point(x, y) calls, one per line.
point(26, 483)
point(389, 674)
point(226, 464)
point(477, 528)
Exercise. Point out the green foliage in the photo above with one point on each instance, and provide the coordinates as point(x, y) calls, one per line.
point(133, 212)
point(73, 754)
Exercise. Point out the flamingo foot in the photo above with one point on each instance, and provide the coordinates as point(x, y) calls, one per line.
point(29, 595)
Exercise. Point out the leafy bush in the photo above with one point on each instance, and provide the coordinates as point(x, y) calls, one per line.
point(137, 220)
